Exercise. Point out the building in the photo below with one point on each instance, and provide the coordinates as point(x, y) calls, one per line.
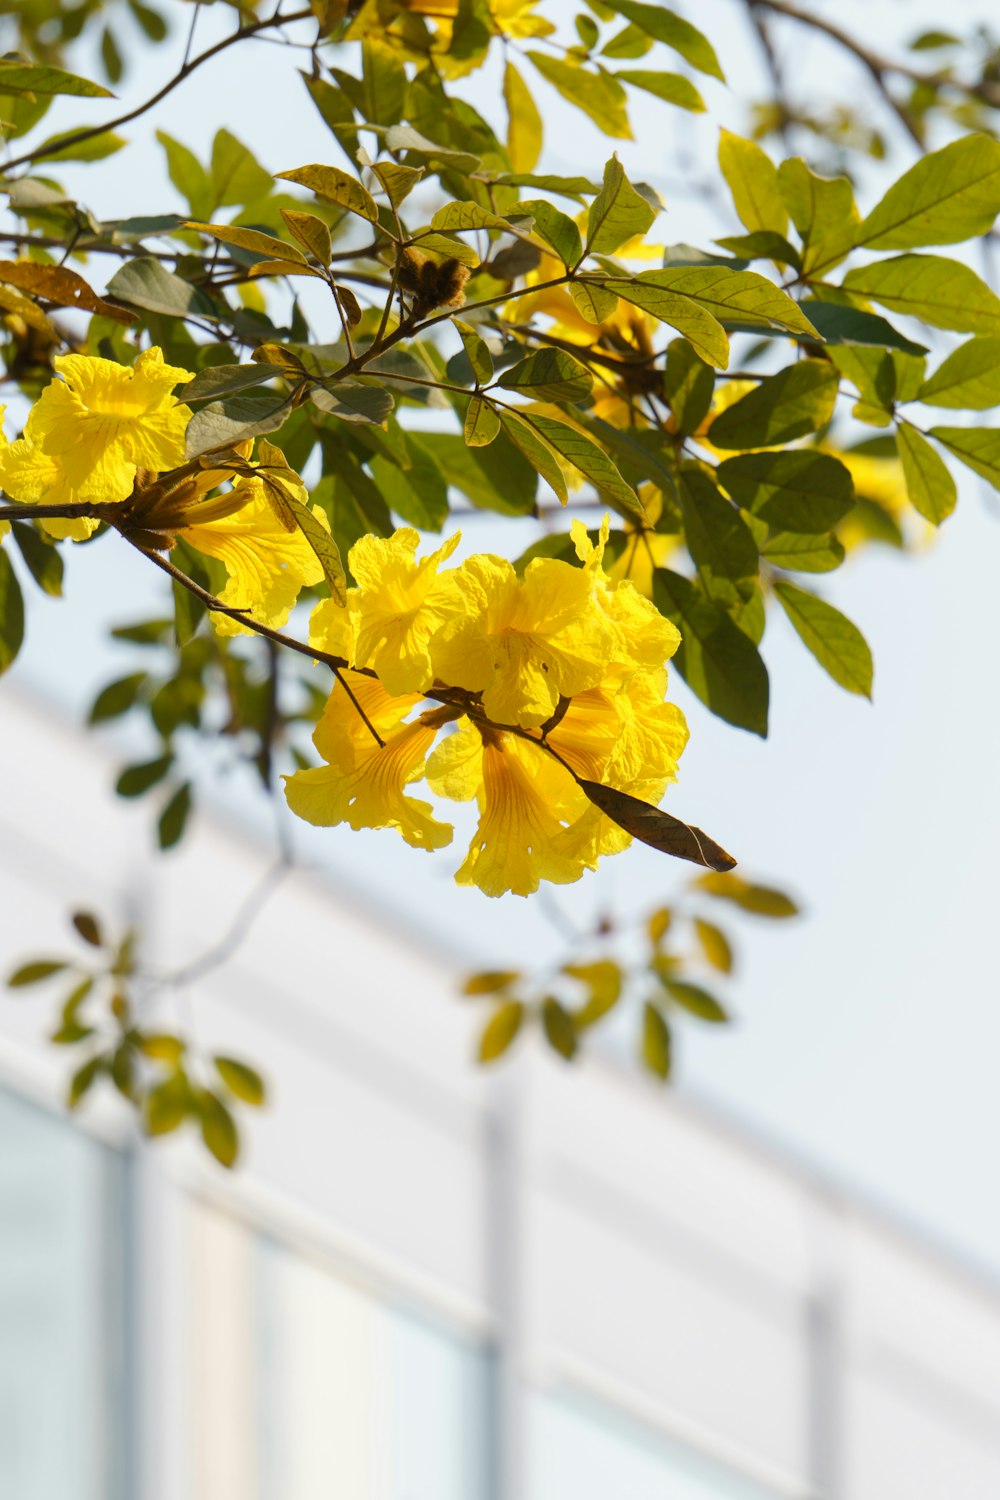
point(426, 1282)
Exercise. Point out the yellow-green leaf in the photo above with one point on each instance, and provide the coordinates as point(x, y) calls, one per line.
point(250, 239)
point(834, 640)
point(617, 213)
point(549, 375)
point(929, 482)
point(481, 423)
point(311, 232)
point(823, 211)
point(524, 123)
point(659, 22)
point(335, 186)
point(655, 1041)
point(752, 179)
point(500, 1030)
point(977, 447)
point(242, 1080)
point(761, 900)
point(598, 95)
point(942, 292)
point(969, 379)
point(715, 945)
point(948, 196)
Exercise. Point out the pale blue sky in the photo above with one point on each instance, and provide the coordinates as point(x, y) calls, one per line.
point(868, 1030)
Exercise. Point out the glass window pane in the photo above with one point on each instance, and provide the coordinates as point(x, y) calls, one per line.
point(59, 1345)
point(582, 1448)
point(357, 1397)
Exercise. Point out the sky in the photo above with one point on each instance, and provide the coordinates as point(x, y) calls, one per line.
point(867, 1030)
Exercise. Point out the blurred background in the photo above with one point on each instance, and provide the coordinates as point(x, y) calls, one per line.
point(427, 1281)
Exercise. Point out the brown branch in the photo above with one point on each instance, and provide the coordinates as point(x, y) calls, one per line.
point(186, 69)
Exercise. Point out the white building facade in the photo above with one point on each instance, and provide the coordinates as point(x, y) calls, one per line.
point(425, 1282)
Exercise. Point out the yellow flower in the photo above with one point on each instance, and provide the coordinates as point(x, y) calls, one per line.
point(30, 477)
point(645, 638)
point(363, 783)
point(267, 565)
point(399, 605)
point(102, 421)
point(525, 801)
point(524, 645)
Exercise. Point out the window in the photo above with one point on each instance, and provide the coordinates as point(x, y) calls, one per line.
point(583, 1449)
point(60, 1324)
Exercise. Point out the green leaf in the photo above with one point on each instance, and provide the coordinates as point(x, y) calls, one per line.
point(718, 539)
point(19, 77)
point(228, 380)
point(549, 182)
point(929, 483)
point(443, 244)
point(405, 138)
point(715, 658)
point(761, 900)
point(843, 325)
point(147, 283)
point(664, 26)
point(937, 290)
point(659, 829)
point(752, 179)
point(556, 228)
point(977, 447)
point(44, 561)
point(353, 402)
point(617, 214)
point(655, 1041)
point(137, 779)
point(833, 639)
point(599, 95)
point(658, 924)
point(501, 479)
point(242, 1080)
point(237, 176)
point(188, 614)
point(801, 490)
point(762, 244)
point(672, 88)
point(35, 972)
point(696, 1000)
point(224, 423)
point(384, 75)
point(823, 211)
point(797, 400)
point(560, 1033)
point(117, 698)
point(968, 379)
point(524, 123)
point(584, 454)
point(173, 819)
point(11, 613)
point(481, 423)
point(538, 453)
point(335, 186)
point(478, 354)
point(802, 553)
point(549, 375)
point(947, 196)
point(500, 1030)
point(688, 384)
point(218, 1128)
point(715, 945)
point(188, 175)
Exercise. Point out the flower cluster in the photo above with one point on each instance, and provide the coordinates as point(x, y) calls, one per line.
point(104, 433)
point(544, 679)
